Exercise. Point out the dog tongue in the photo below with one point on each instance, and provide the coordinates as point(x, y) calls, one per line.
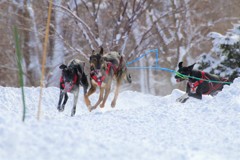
point(177, 80)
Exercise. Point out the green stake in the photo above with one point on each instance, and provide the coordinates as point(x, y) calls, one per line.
point(20, 71)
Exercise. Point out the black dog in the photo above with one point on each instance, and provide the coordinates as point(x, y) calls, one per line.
point(72, 77)
point(199, 82)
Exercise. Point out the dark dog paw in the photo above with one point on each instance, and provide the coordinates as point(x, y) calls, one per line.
point(183, 98)
point(59, 108)
point(73, 112)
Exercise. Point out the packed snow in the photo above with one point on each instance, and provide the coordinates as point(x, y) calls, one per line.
point(141, 127)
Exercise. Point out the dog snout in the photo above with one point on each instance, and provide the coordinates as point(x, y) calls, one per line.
point(92, 67)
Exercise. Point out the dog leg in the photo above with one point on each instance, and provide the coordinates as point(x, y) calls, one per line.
point(196, 95)
point(99, 99)
point(183, 98)
point(64, 102)
point(86, 97)
point(107, 91)
point(113, 104)
point(76, 92)
point(73, 111)
point(60, 100)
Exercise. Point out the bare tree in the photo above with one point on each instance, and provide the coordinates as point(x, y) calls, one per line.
point(177, 28)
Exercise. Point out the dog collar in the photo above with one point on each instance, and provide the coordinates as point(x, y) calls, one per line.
point(97, 79)
point(63, 83)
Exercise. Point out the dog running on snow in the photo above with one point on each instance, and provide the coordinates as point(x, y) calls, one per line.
point(73, 76)
point(104, 68)
point(200, 86)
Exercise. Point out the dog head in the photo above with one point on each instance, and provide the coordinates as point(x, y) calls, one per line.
point(183, 72)
point(68, 75)
point(96, 60)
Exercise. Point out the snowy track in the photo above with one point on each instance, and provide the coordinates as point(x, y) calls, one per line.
point(140, 127)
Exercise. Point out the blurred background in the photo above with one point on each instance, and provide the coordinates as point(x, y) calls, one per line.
point(205, 32)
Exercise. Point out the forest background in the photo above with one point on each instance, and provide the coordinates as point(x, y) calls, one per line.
point(178, 29)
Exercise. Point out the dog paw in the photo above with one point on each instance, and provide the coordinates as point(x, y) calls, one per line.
point(90, 108)
point(183, 98)
point(73, 112)
point(59, 108)
point(101, 105)
point(113, 104)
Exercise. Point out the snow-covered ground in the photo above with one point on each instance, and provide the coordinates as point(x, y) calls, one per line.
point(141, 127)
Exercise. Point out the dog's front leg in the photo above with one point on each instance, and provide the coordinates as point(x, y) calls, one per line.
point(86, 96)
point(75, 101)
point(99, 99)
point(196, 95)
point(60, 100)
point(183, 98)
point(107, 91)
point(65, 101)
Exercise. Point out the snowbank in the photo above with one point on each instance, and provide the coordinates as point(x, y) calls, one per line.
point(140, 127)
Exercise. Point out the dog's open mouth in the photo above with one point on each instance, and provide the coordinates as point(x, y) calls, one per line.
point(179, 80)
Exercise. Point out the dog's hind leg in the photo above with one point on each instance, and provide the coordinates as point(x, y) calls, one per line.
point(60, 100)
point(113, 104)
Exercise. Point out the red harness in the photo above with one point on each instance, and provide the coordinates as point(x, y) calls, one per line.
point(212, 87)
point(75, 77)
point(99, 80)
point(194, 85)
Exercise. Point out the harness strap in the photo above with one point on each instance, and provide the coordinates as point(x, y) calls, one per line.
point(194, 85)
point(216, 86)
point(99, 80)
point(212, 87)
point(62, 83)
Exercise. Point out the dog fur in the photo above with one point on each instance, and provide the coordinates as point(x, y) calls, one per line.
point(73, 76)
point(196, 88)
point(103, 69)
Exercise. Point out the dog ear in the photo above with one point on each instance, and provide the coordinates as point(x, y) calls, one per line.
point(190, 68)
point(93, 52)
point(180, 64)
point(62, 66)
point(101, 51)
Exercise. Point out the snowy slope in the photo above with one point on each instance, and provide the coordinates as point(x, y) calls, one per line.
point(141, 127)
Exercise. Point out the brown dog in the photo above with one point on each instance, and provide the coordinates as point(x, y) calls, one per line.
point(103, 69)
